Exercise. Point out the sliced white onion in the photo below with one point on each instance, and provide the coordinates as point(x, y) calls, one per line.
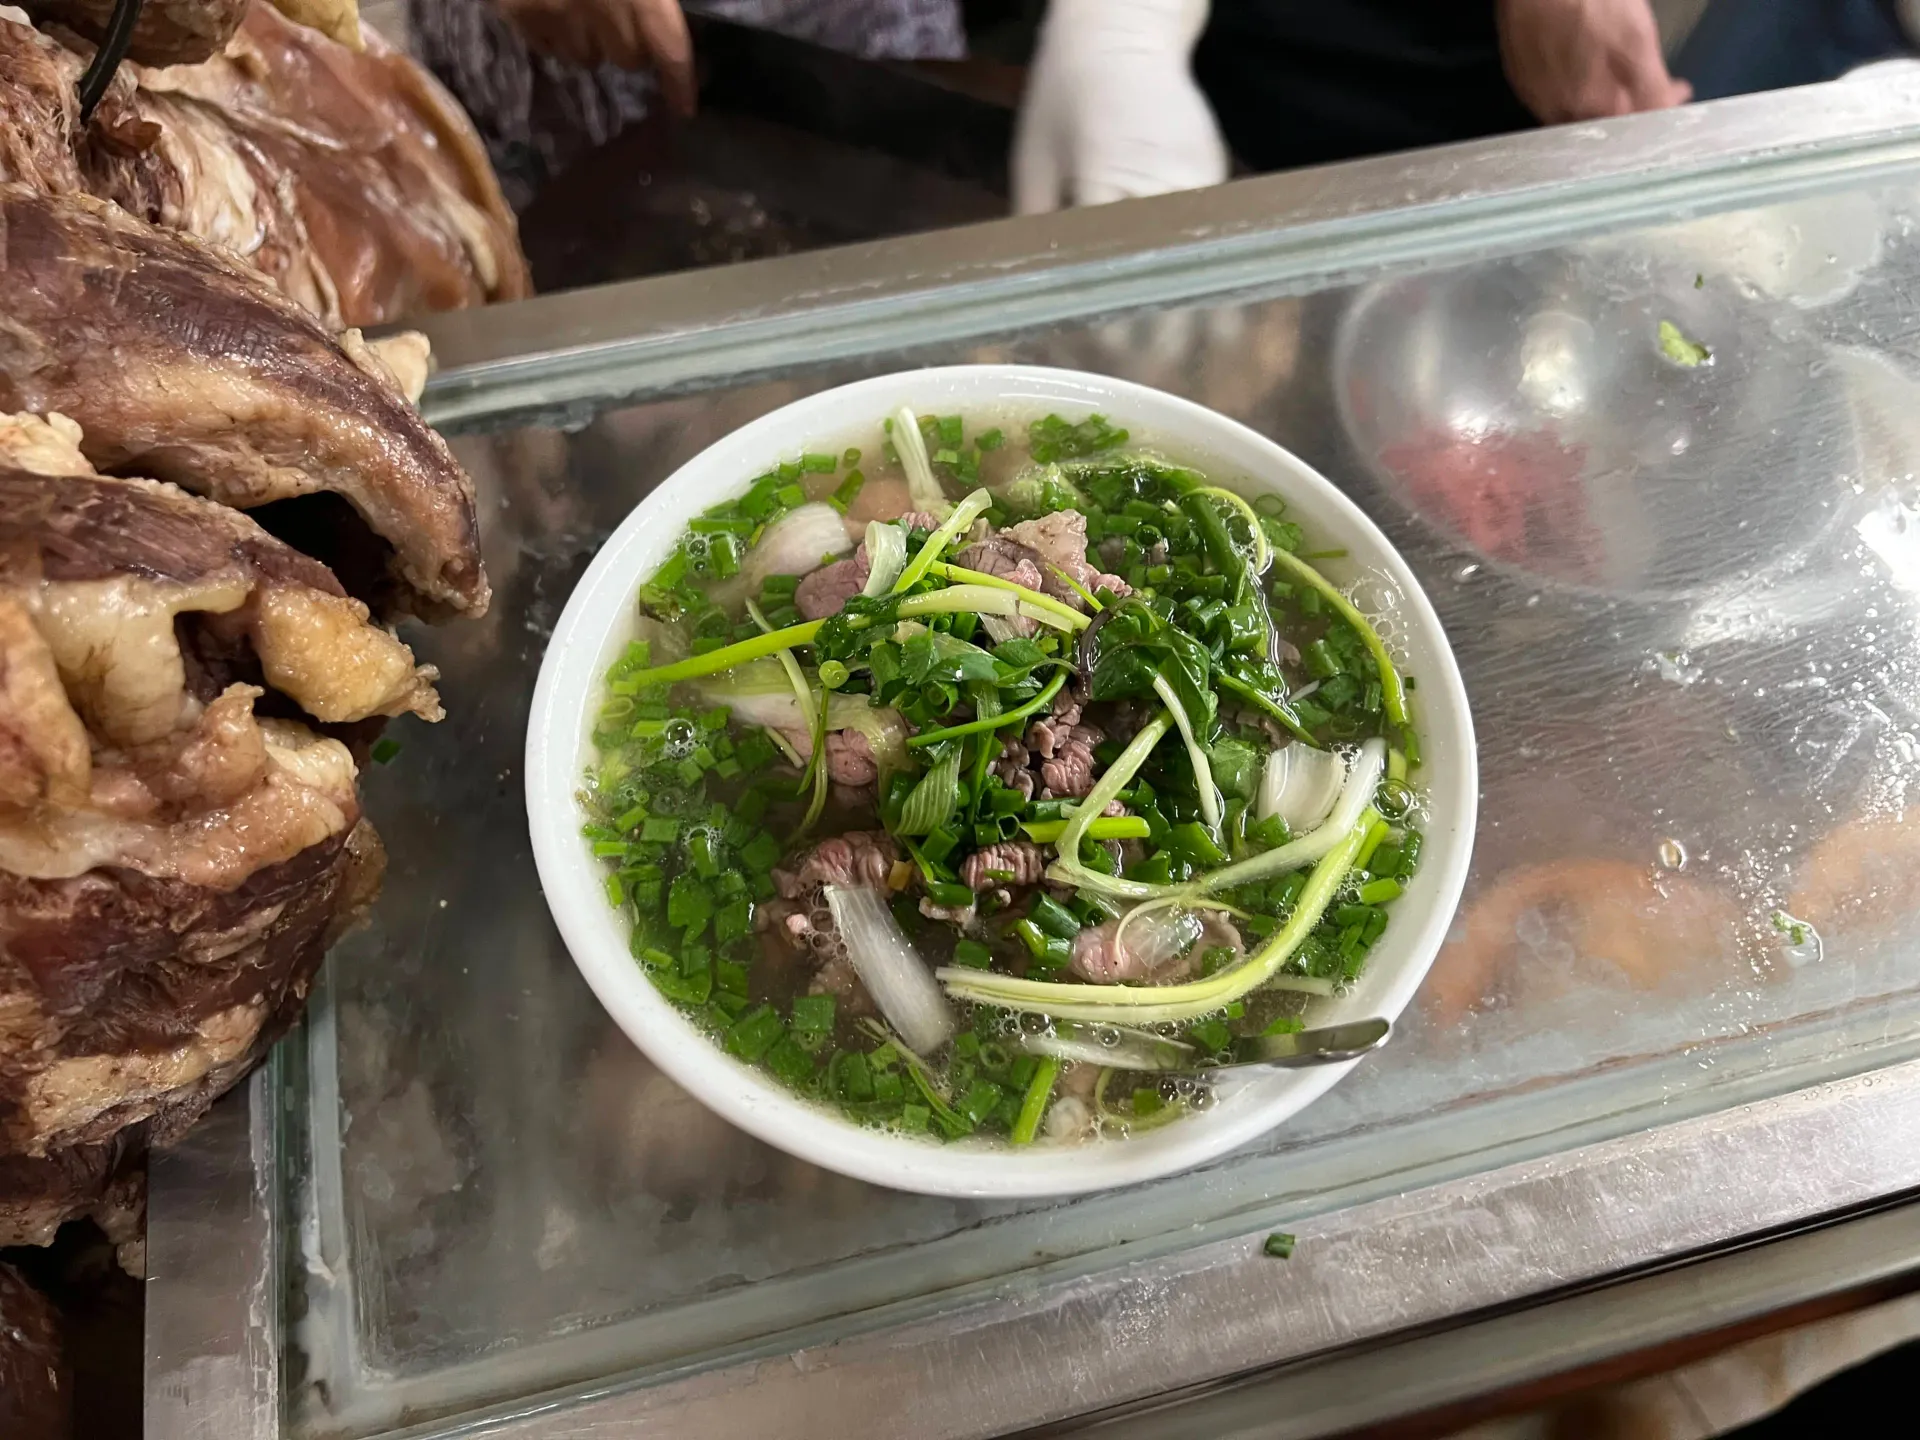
point(759, 693)
point(798, 543)
point(922, 487)
point(886, 556)
point(1300, 784)
point(1113, 1046)
point(1000, 629)
point(1150, 938)
point(1363, 778)
point(882, 725)
point(895, 976)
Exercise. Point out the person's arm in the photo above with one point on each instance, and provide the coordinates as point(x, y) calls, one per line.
point(1585, 59)
point(630, 34)
point(1111, 107)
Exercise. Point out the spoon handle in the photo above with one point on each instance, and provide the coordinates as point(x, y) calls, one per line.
point(1325, 1045)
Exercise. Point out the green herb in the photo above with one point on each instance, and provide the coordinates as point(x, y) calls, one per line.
point(1679, 349)
point(1054, 439)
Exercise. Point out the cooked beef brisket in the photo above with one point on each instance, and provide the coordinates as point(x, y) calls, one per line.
point(178, 364)
point(168, 32)
point(171, 867)
point(178, 844)
point(36, 1383)
point(352, 180)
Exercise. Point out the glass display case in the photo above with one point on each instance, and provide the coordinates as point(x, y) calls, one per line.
point(1639, 402)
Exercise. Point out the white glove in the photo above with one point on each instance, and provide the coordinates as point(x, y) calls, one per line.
point(1111, 109)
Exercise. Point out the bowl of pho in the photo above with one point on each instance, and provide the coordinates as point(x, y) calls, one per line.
point(942, 776)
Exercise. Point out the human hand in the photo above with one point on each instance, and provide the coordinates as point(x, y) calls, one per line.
point(630, 34)
point(1585, 59)
point(1111, 108)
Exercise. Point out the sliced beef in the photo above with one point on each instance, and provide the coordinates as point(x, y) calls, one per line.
point(1067, 764)
point(1060, 540)
point(860, 857)
point(1009, 863)
point(179, 365)
point(850, 759)
point(1055, 759)
point(826, 590)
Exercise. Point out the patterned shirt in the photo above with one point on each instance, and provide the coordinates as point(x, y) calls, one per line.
point(537, 113)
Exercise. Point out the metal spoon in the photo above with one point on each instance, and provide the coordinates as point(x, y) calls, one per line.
point(1325, 1045)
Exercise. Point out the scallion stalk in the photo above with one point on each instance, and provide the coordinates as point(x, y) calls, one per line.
point(981, 600)
point(815, 716)
point(964, 514)
point(1262, 548)
point(728, 656)
point(1392, 693)
point(1161, 1004)
point(959, 574)
point(1267, 705)
point(1107, 789)
point(1107, 827)
point(1033, 1108)
point(922, 487)
point(1196, 754)
point(992, 722)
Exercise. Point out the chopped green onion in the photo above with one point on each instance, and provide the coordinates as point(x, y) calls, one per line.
point(384, 750)
point(1379, 892)
point(972, 954)
point(1279, 1245)
point(1052, 917)
point(1390, 688)
point(1033, 1106)
point(950, 894)
point(1107, 827)
point(1191, 1000)
point(992, 722)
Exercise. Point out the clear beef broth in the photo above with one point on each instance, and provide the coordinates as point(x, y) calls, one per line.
point(948, 822)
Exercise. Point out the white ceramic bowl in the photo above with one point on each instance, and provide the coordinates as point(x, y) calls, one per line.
point(598, 622)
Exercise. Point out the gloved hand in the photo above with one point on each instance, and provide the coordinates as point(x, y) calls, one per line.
point(1585, 59)
point(629, 34)
point(1111, 107)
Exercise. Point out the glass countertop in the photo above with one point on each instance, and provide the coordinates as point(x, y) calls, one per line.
point(1686, 602)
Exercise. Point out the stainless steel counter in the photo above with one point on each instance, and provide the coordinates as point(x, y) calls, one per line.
point(1687, 604)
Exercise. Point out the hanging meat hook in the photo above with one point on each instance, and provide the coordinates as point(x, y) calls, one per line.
point(106, 60)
